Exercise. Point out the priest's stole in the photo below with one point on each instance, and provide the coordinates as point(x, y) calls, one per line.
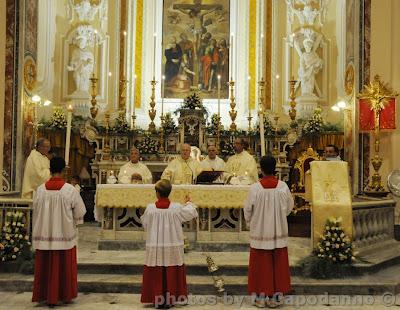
point(330, 192)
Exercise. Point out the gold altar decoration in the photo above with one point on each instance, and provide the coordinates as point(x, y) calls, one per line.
point(152, 111)
point(292, 96)
point(349, 79)
point(93, 94)
point(140, 195)
point(30, 73)
point(122, 95)
point(378, 94)
point(302, 165)
point(275, 150)
point(232, 112)
point(330, 192)
point(106, 147)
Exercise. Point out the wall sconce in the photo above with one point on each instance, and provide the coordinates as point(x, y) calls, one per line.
point(340, 105)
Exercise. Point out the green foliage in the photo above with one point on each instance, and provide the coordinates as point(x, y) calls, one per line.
point(169, 124)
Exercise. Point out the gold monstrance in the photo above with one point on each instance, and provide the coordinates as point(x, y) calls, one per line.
point(378, 95)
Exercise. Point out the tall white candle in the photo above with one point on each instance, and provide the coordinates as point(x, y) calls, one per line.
point(162, 95)
point(154, 56)
point(68, 136)
point(134, 94)
point(262, 138)
point(94, 51)
point(249, 79)
point(219, 95)
point(125, 55)
point(231, 54)
point(262, 55)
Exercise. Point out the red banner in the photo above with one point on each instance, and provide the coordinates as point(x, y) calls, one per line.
point(387, 117)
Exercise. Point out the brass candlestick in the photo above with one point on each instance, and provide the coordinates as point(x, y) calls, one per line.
point(232, 112)
point(261, 85)
point(152, 111)
point(249, 129)
point(133, 121)
point(378, 94)
point(292, 96)
point(275, 151)
point(106, 146)
point(93, 94)
point(122, 94)
point(161, 150)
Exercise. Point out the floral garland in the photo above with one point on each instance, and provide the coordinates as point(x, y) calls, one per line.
point(147, 146)
point(335, 246)
point(58, 119)
point(314, 125)
point(14, 238)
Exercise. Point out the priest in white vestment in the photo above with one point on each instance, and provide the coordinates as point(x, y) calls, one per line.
point(183, 169)
point(212, 161)
point(36, 168)
point(164, 273)
point(134, 171)
point(268, 204)
point(57, 209)
point(242, 163)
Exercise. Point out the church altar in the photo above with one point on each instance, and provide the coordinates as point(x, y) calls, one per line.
point(219, 206)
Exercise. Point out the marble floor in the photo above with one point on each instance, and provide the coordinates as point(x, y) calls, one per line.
point(94, 301)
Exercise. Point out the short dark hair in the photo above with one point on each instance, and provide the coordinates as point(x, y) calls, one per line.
point(57, 165)
point(268, 164)
point(334, 147)
point(40, 142)
point(163, 187)
point(76, 177)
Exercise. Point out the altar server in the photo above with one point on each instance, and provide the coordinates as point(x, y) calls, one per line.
point(134, 171)
point(57, 209)
point(36, 168)
point(242, 163)
point(268, 204)
point(164, 274)
point(183, 169)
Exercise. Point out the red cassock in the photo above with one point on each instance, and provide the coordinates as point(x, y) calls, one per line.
point(387, 118)
point(268, 269)
point(166, 281)
point(56, 271)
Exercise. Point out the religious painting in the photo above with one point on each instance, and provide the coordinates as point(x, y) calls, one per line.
point(195, 48)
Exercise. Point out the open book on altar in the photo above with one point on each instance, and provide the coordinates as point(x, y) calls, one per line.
point(208, 177)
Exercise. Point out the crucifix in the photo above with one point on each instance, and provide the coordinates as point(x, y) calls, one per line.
point(378, 95)
point(196, 12)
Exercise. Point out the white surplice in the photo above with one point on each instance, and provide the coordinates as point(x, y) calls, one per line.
point(217, 164)
point(266, 210)
point(126, 171)
point(164, 234)
point(243, 164)
point(55, 216)
point(37, 171)
point(180, 171)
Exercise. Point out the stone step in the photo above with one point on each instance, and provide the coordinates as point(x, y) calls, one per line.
point(204, 285)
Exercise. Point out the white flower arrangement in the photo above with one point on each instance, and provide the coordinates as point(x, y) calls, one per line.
point(315, 124)
point(14, 236)
point(335, 246)
point(147, 146)
point(58, 119)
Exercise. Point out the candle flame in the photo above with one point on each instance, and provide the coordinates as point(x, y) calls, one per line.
point(219, 77)
point(109, 74)
point(124, 33)
point(163, 77)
